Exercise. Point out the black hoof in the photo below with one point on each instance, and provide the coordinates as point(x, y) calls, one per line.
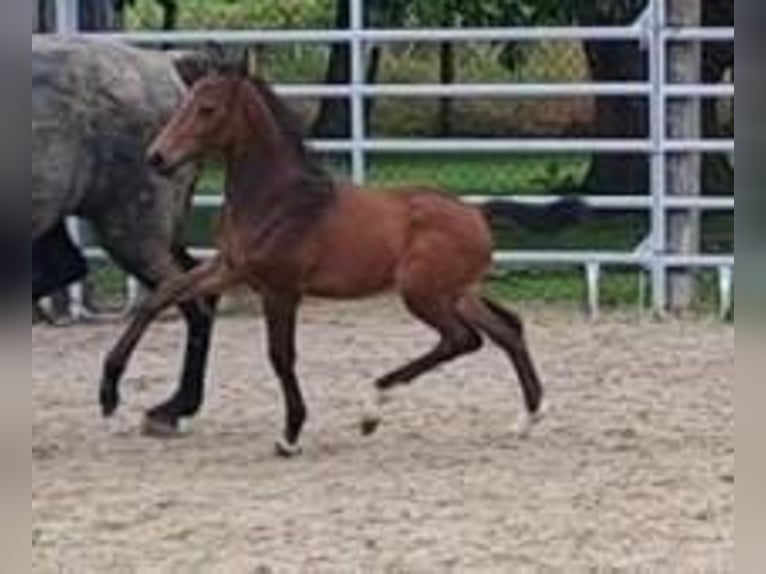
point(159, 428)
point(369, 426)
point(109, 400)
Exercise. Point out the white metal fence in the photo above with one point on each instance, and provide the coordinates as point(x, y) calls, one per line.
point(651, 31)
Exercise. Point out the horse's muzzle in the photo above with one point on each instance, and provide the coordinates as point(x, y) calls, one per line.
point(159, 163)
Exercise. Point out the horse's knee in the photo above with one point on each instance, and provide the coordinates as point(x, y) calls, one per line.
point(464, 341)
point(510, 318)
point(199, 316)
point(472, 341)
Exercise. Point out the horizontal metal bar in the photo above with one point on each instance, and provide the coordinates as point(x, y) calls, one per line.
point(469, 90)
point(699, 202)
point(699, 146)
point(223, 36)
point(616, 89)
point(312, 91)
point(700, 90)
point(207, 201)
point(698, 261)
point(637, 202)
point(485, 145)
point(556, 90)
point(608, 258)
point(604, 33)
point(699, 34)
point(95, 253)
point(545, 258)
point(425, 35)
point(570, 257)
point(519, 90)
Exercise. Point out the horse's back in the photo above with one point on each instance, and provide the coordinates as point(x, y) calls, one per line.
point(449, 244)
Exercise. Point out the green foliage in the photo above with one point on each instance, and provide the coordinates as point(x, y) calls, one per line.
point(217, 14)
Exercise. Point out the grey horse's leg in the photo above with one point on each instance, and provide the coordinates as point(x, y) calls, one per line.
point(211, 277)
point(187, 399)
point(154, 263)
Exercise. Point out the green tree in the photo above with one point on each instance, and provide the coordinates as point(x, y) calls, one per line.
point(608, 62)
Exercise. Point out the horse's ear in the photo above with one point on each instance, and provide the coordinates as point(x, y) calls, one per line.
point(216, 56)
point(191, 66)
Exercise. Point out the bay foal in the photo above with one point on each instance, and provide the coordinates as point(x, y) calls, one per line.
point(288, 230)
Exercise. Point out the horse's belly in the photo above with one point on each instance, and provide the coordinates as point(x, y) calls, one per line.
point(355, 266)
point(358, 247)
point(353, 273)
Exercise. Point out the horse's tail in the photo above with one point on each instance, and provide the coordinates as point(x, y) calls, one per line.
point(553, 216)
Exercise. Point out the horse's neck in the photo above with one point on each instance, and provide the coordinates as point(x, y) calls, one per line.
point(257, 156)
point(252, 177)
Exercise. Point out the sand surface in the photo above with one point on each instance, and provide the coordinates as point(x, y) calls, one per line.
point(633, 468)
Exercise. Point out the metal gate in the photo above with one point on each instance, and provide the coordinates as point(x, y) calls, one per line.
point(651, 30)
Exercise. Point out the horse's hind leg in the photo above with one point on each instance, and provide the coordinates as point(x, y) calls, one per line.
point(457, 338)
point(506, 330)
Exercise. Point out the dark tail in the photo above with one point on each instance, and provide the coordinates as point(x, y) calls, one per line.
point(550, 217)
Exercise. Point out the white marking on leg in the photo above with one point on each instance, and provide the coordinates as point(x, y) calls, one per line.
point(528, 420)
point(376, 400)
point(287, 449)
point(373, 405)
point(118, 424)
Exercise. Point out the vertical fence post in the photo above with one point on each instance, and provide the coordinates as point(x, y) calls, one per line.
point(67, 17)
point(358, 168)
point(657, 72)
point(684, 170)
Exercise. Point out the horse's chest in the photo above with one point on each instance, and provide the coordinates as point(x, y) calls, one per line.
point(256, 256)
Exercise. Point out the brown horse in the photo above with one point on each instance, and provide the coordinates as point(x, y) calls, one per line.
point(287, 230)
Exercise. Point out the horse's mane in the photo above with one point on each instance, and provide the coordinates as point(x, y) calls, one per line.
point(316, 179)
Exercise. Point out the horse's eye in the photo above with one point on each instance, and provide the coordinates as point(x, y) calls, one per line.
point(206, 110)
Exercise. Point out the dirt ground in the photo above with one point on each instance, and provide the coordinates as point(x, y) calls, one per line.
point(632, 470)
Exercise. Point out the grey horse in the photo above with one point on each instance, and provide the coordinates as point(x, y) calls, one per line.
point(95, 107)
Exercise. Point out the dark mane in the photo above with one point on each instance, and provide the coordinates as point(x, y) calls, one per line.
point(315, 177)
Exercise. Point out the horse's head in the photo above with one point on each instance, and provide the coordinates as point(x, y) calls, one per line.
point(210, 122)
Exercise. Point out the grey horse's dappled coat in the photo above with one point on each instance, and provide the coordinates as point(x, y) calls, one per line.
point(95, 108)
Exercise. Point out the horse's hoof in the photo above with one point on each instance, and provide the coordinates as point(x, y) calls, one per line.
point(118, 426)
point(109, 400)
point(527, 420)
point(285, 449)
point(158, 428)
point(369, 425)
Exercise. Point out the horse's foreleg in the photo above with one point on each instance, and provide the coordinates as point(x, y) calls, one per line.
point(210, 278)
point(162, 419)
point(281, 311)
